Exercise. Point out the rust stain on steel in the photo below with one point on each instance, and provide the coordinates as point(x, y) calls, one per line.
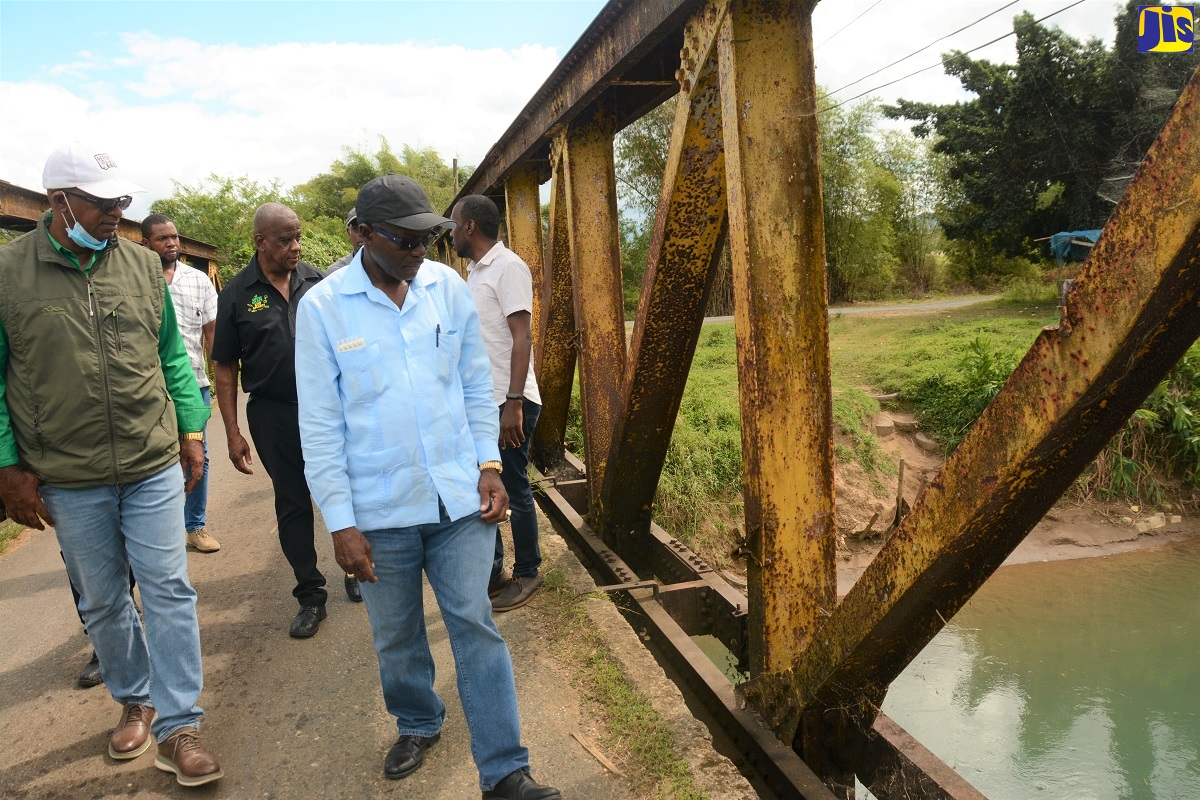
point(599, 306)
point(1132, 313)
point(555, 352)
point(680, 269)
point(523, 209)
point(776, 237)
point(621, 35)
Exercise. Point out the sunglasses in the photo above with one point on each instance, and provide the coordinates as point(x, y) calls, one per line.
point(411, 243)
point(106, 205)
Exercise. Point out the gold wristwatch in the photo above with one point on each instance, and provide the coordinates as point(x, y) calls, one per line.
point(496, 465)
point(197, 436)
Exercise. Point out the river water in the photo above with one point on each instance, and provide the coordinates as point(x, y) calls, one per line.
point(1068, 680)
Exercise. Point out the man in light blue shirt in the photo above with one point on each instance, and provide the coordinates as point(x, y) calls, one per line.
point(400, 451)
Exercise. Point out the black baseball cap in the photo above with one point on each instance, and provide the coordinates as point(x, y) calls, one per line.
point(397, 200)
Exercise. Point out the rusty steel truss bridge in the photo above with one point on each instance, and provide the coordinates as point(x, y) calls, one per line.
point(743, 170)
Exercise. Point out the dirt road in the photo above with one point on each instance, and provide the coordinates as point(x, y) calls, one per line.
point(288, 718)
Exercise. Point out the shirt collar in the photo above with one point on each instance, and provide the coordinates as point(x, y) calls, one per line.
point(488, 257)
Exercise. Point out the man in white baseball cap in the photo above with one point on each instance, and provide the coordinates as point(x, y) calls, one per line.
point(98, 410)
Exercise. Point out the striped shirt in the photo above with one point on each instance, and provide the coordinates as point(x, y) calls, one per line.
point(195, 302)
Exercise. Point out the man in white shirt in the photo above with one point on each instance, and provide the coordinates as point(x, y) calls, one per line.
point(195, 302)
point(503, 289)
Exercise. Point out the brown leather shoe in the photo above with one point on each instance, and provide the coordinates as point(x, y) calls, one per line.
point(184, 754)
point(132, 736)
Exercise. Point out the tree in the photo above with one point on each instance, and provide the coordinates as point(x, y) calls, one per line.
point(220, 211)
point(1035, 149)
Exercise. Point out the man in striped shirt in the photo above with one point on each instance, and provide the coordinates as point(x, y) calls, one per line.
point(195, 302)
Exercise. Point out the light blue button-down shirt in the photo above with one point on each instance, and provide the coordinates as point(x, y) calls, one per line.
point(395, 404)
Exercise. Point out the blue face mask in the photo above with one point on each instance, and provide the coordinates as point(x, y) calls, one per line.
point(81, 237)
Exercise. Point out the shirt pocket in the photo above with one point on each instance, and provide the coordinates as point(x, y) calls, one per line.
point(361, 372)
point(449, 347)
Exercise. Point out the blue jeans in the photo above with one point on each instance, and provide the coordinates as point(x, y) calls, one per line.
point(527, 556)
point(197, 498)
point(103, 532)
point(455, 556)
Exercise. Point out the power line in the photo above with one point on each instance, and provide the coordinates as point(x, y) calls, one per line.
point(847, 25)
point(938, 64)
point(926, 47)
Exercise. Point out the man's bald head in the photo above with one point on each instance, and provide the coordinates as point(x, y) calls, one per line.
point(277, 238)
point(273, 215)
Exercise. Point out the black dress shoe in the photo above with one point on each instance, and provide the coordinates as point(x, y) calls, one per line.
point(406, 755)
point(352, 590)
point(307, 622)
point(91, 673)
point(520, 786)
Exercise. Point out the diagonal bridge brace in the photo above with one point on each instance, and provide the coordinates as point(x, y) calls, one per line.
point(1130, 316)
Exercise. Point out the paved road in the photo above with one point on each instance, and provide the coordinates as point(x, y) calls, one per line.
point(899, 308)
point(288, 718)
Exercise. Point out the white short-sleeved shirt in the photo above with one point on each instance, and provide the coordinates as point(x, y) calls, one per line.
point(502, 285)
point(195, 302)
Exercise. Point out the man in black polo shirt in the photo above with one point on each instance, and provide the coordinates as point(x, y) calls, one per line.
point(256, 325)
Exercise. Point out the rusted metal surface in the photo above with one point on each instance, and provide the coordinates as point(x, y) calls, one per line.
point(895, 766)
point(776, 238)
point(555, 349)
point(761, 754)
point(680, 269)
point(616, 43)
point(596, 273)
point(523, 214)
point(1129, 316)
point(20, 209)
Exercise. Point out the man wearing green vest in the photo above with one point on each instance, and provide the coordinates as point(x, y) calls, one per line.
point(98, 410)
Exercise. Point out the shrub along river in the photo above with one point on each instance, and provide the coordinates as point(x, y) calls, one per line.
point(1068, 679)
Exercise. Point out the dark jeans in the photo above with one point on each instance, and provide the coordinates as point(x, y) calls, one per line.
point(527, 556)
point(275, 429)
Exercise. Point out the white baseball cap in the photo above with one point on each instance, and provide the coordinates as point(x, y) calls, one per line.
point(77, 166)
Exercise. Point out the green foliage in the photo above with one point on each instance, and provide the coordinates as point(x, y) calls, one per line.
point(1159, 447)
point(220, 211)
point(853, 413)
point(1046, 144)
point(9, 531)
point(331, 194)
point(1026, 291)
point(949, 403)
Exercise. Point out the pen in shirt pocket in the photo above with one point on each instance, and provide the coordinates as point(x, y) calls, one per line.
point(437, 335)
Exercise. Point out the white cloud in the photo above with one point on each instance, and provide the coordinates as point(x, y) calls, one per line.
point(170, 108)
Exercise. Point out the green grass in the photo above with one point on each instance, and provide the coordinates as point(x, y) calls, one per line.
point(633, 730)
point(8, 532)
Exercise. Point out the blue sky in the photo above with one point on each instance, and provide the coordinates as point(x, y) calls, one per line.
point(273, 90)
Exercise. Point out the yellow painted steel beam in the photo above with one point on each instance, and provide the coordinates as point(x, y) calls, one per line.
point(523, 213)
point(1130, 315)
point(599, 306)
point(554, 354)
point(776, 238)
point(680, 268)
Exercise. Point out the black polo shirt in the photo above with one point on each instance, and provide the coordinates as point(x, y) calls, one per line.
point(256, 326)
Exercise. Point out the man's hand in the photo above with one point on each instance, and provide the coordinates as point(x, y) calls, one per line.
point(191, 458)
point(512, 424)
point(22, 501)
point(239, 453)
point(493, 500)
point(352, 552)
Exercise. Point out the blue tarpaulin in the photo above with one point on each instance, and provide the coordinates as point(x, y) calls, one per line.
point(1060, 244)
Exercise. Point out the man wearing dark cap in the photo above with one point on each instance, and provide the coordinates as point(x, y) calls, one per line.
point(98, 410)
point(255, 338)
point(400, 449)
point(355, 242)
